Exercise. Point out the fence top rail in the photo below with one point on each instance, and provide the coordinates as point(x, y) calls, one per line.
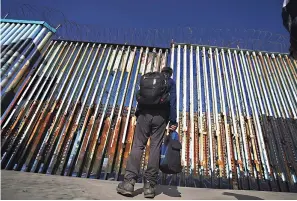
point(151, 48)
point(29, 22)
point(225, 49)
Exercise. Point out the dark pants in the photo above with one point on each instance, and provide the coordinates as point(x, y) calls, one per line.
point(149, 125)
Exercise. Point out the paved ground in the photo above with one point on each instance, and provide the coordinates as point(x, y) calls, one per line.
point(20, 185)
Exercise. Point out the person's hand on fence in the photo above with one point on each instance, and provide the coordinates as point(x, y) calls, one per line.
point(172, 126)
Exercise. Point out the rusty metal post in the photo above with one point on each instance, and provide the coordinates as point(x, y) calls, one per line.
point(7, 121)
point(75, 164)
point(200, 112)
point(127, 66)
point(113, 142)
point(244, 113)
point(98, 154)
point(47, 115)
point(283, 173)
point(178, 76)
point(28, 111)
point(219, 160)
point(56, 158)
point(243, 147)
point(71, 139)
point(69, 111)
point(27, 135)
point(236, 149)
point(86, 157)
point(223, 110)
point(56, 126)
point(123, 139)
point(208, 111)
point(192, 137)
point(262, 148)
point(184, 114)
point(27, 104)
point(80, 135)
point(36, 115)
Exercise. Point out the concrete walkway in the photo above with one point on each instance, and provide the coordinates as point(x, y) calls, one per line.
point(20, 185)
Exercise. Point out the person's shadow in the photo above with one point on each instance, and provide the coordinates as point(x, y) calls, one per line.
point(242, 197)
point(170, 191)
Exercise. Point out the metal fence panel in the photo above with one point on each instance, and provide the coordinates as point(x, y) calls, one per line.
point(74, 114)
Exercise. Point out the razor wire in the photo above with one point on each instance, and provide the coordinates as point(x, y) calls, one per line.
point(253, 39)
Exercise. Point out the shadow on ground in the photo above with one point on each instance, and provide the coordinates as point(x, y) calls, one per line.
point(170, 191)
point(242, 197)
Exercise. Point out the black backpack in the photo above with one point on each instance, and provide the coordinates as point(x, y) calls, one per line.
point(154, 89)
point(170, 160)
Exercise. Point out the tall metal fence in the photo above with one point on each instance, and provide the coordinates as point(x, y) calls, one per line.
point(73, 113)
point(237, 116)
point(22, 43)
point(81, 94)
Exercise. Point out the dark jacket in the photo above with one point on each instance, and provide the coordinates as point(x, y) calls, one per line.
point(169, 110)
point(289, 16)
point(172, 112)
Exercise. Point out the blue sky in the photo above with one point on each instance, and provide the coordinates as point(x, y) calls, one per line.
point(258, 14)
point(171, 14)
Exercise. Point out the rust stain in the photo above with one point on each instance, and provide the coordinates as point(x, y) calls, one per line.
point(14, 145)
point(9, 134)
point(41, 127)
point(118, 160)
point(188, 141)
point(129, 142)
point(63, 140)
point(223, 147)
point(75, 165)
point(84, 161)
point(51, 145)
point(196, 146)
point(99, 153)
point(36, 131)
point(92, 148)
point(220, 160)
point(112, 146)
point(66, 151)
point(28, 145)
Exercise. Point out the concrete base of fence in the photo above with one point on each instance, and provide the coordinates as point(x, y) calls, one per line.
point(20, 185)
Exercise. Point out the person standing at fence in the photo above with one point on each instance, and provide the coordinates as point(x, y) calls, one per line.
point(289, 15)
point(156, 107)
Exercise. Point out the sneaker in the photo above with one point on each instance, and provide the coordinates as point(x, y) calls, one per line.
point(126, 188)
point(149, 190)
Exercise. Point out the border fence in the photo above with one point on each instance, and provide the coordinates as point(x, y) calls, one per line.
point(68, 109)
